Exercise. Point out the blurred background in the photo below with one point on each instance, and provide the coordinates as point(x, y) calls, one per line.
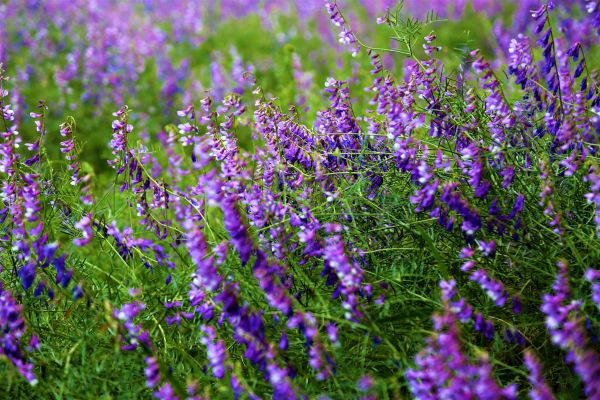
point(86, 58)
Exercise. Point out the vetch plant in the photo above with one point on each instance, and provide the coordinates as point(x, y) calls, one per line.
point(432, 236)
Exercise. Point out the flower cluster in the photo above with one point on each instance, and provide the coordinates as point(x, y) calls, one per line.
point(443, 370)
point(287, 254)
point(12, 332)
point(567, 332)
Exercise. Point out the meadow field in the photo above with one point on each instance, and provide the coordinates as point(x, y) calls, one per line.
point(301, 199)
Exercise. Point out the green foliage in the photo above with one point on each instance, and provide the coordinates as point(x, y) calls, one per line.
point(403, 249)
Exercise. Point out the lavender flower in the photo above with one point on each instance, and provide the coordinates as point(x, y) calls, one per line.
point(593, 197)
point(494, 289)
point(134, 334)
point(539, 389)
point(365, 383)
point(215, 350)
point(593, 276)
point(121, 129)
point(346, 36)
point(443, 370)
point(567, 332)
point(206, 278)
point(151, 372)
point(348, 273)
point(165, 392)
point(547, 201)
point(85, 225)
point(237, 230)
point(12, 330)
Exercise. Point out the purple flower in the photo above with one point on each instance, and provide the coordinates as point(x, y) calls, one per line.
point(332, 333)
point(365, 383)
point(215, 350)
point(206, 277)
point(121, 129)
point(151, 372)
point(348, 273)
point(275, 292)
point(466, 252)
point(346, 36)
point(236, 229)
point(593, 197)
point(593, 276)
point(283, 342)
point(236, 387)
point(85, 226)
point(494, 289)
point(521, 59)
point(443, 370)
point(487, 248)
point(455, 201)
point(460, 308)
point(567, 331)
point(539, 389)
point(165, 392)
point(12, 330)
point(134, 334)
point(516, 305)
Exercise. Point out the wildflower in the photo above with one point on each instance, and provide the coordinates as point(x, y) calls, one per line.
point(348, 273)
point(151, 372)
point(12, 329)
point(567, 332)
point(539, 389)
point(215, 350)
point(85, 225)
point(593, 276)
point(443, 369)
point(165, 392)
point(365, 383)
point(593, 197)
